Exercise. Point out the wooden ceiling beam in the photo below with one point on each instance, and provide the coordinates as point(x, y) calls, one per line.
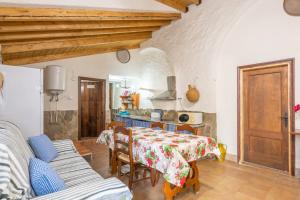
point(43, 52)
point(46, 35)
point(68, 54)
point(176, 4)
point(56, 14)
point(67, 43)
point(190, 2)
point(181, 5)
point(80, 25)
point(31, 35)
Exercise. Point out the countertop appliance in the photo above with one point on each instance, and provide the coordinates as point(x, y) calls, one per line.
point(192, 118)
point(155, 116)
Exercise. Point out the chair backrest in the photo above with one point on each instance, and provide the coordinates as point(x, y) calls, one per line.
point(113, 124)
point(123, 141)
point(160, 125)
point(185, 128)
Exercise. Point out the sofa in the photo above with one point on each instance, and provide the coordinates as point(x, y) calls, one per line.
point(81, 180)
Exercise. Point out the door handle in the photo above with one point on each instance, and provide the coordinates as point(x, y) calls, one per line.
point(286, 119)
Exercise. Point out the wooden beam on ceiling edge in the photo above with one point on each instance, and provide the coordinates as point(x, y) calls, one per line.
point(175, 4)
point(30, 35)
point(80, 25)
point(69, 43)
point(196, 2)
point(67, 54)
point(56, 14)
point(10, 37)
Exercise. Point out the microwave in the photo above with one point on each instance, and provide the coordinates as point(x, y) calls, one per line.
point(192, 118)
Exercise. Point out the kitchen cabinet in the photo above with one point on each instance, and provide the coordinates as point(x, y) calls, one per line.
point(127, 121)
point(171, 127)
point(141, 123)
point(133, 122)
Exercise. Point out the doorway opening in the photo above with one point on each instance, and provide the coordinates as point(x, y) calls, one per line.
point(266, 116)
point(91, 107)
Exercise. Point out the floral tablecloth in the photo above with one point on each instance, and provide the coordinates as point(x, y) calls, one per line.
point(166, 151)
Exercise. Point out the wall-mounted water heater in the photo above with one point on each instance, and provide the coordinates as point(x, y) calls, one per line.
point(54, 85)
point(54, 80)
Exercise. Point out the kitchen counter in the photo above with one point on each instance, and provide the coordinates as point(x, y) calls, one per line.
point(148, 119)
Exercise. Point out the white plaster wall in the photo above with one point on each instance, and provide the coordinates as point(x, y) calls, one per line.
point(100, 66)
point(263, 33)
point(94, 66)
point(21, 97)
point(211, 40)
point(115, 4)
point(191, 43)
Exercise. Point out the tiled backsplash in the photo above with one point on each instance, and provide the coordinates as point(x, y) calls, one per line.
point(66, 126)
point(209, 120)
point(210, 125)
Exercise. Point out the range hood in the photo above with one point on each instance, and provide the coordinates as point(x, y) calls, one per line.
point(170, 94)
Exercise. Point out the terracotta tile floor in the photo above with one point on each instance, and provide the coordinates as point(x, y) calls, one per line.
point(219, 181)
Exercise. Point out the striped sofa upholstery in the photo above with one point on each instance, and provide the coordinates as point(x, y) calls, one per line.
point(81, 180)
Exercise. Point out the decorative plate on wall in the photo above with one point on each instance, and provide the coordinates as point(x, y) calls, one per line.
point(123, 55)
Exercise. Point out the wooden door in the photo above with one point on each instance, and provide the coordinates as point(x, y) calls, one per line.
point(111, 94)
point(92, 107)
point(265, 116)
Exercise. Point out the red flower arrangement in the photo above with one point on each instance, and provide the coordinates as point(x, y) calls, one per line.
point(297, 108)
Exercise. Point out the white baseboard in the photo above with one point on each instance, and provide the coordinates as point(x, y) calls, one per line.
point(231, 157)
point(297, 172)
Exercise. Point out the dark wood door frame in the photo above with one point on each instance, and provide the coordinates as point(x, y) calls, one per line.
point(291, 64)
point(103, 106)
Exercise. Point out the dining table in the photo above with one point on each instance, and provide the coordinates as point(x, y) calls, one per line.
point(172, 154)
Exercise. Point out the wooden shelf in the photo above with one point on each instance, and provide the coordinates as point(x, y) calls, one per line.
point(296, 132)
point(132, 99)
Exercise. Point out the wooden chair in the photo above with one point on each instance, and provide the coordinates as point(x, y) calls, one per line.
point(185, 127)
point(111, 126)
point(124, 156)
point(160, 125)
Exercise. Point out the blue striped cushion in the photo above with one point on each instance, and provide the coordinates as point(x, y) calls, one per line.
point(43, 148)
point(44, 180)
